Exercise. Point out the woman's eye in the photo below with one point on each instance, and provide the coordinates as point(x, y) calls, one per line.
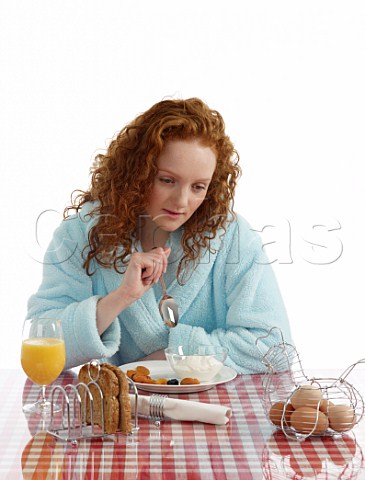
point(166, 180)
point(199, 187)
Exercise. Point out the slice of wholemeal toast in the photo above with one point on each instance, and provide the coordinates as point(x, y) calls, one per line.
point(114, 385)
point(108, 382)
point(125, 415)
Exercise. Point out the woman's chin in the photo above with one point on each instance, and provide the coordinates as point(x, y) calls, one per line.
point(169, 228)
point(169, 225)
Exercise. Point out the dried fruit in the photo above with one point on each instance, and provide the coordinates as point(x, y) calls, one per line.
point(140, 378)
point(161, 381)
point(189, 381)
point(149, 380)
point(143, 370)
point(173, 381)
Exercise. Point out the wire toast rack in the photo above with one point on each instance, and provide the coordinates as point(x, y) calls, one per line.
point(303, 406)
point(72, 424)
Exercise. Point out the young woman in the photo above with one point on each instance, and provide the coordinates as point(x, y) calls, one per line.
point(161, 203)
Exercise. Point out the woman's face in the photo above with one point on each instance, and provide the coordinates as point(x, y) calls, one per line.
point(185, 169)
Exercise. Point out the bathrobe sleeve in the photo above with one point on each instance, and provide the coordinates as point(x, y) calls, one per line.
point(246, 294)
point(67, 292)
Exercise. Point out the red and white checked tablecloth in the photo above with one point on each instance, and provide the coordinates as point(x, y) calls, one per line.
point(248, 447)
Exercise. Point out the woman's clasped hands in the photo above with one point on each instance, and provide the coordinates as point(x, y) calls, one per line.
point(144, 270)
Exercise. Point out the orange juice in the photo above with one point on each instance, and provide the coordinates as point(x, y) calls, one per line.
point(43, 359)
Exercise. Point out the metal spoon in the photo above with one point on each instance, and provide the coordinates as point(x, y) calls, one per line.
point(168, 307)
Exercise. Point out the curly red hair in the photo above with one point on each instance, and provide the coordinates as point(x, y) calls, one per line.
point(122, 180)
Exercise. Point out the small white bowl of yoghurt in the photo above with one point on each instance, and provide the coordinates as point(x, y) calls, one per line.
point(203, 363)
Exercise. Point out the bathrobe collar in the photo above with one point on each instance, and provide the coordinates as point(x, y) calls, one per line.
point(144, 313)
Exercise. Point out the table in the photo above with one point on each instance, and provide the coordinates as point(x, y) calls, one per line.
point(248, 447)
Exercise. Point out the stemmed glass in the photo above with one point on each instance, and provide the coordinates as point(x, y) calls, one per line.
point(43, 357)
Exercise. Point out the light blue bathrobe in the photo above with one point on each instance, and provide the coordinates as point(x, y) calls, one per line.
point(231, 299)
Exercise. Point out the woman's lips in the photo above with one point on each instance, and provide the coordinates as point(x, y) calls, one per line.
point(171, 213)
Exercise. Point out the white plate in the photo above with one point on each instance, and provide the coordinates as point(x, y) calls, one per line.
point(161, 368)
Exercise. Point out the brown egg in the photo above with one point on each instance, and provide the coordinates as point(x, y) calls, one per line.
point(276, 413)
point(306, 396)
point(324, 405)
point(341, 417)
point(304, 420)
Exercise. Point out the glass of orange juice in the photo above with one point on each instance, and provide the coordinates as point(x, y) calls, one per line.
point(43, 357)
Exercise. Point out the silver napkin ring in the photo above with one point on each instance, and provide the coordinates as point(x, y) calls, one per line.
point(156, 413)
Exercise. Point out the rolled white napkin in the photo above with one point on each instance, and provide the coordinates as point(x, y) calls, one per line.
point(177, 409)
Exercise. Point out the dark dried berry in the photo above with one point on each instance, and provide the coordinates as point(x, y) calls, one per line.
point(173, 381)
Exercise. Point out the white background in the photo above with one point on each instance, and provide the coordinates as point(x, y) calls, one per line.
point(288, 77)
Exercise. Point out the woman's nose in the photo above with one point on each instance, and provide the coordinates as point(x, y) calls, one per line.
point(181, 197)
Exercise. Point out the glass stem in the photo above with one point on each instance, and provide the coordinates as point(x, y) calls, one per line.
point(43, 400)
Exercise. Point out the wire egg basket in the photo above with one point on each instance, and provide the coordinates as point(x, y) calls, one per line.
point(304, 406)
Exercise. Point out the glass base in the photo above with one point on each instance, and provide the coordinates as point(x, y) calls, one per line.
point(41, 408)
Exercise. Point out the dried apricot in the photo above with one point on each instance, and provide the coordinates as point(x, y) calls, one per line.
point(139, 378)
point(130, 373)
point(161, 381)
point(143, 370)
point(189, 381)
point(149, 380)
